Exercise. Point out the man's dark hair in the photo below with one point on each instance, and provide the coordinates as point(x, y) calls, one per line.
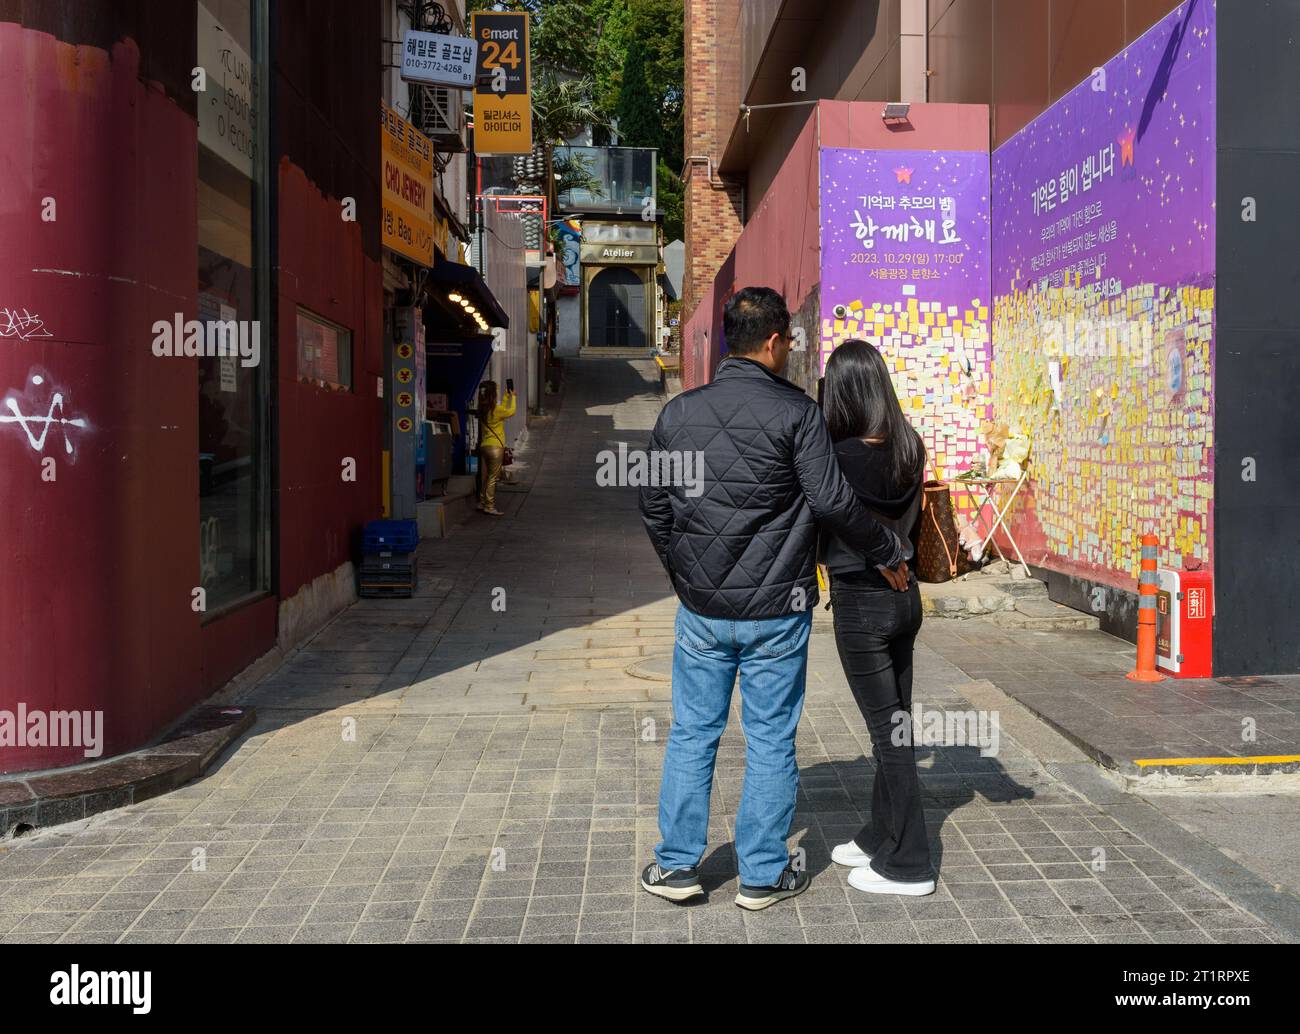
point(751, 316)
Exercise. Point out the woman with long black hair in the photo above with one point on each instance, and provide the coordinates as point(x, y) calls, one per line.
point(883, 459)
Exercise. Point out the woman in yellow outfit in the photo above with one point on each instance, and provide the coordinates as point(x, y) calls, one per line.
point(492, 441)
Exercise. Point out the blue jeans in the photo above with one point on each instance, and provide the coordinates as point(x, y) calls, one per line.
point(772, 658)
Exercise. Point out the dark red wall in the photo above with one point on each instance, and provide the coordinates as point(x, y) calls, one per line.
point(323, 267)
point(98, 566)
point(327, 92)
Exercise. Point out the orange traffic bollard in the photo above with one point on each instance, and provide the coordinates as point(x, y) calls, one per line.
point(1146, 646)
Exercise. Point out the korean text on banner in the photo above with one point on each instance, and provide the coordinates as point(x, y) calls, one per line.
point(503, 111)
point(407, 186)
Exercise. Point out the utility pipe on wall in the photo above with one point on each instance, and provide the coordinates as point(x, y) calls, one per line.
point(914, 75)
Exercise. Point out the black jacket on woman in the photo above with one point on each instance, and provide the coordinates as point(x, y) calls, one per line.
point(868, 470)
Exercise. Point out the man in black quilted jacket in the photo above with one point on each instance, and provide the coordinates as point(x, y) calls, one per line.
point(739, 543)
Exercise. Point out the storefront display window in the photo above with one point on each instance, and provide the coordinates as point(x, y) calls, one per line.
point(233, 512)
point(324, 352)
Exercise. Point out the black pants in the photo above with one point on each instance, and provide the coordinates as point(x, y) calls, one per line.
point(875, 630)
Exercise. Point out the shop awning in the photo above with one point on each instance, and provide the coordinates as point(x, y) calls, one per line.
point(447, 277)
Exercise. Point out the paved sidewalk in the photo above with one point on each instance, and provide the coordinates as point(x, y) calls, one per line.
point(440, 769)
point(1232, 728)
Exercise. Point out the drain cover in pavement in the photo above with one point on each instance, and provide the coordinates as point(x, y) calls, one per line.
point(657, 668)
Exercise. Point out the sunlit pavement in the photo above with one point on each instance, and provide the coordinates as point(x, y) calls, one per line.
point(477, 763)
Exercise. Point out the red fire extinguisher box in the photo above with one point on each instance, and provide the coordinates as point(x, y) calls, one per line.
point(1184, 622)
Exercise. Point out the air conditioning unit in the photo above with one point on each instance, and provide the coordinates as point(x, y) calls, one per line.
point(442, 117)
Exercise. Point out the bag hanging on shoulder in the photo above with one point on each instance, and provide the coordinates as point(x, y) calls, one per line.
point(939, 556)
point(507, 456)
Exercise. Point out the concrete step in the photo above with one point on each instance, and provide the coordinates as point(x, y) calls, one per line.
point(437, 516)
point(594, 352)
point(30, 800)
point(993, 589)
point(964, 605)
point(1044, 615)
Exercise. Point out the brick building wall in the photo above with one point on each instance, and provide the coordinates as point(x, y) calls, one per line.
point(713, 207)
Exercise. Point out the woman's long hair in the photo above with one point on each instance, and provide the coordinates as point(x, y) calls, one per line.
point(487, 400)
point(859, 402)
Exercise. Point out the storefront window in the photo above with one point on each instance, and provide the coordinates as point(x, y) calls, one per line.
point(233, 515)
point(324, 352)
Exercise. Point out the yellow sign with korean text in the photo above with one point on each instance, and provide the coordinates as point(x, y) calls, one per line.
point(503, 101)
point(407, 188)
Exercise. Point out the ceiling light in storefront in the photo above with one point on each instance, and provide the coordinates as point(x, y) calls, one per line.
point(453, 297)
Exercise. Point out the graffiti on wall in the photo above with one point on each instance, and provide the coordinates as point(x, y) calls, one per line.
point(37, 411)
point(1103, 281)
point(21, 324)
point(570, 248)
point(905, 239)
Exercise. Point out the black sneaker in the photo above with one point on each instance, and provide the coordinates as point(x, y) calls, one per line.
point(790, 884)
point(673, 884)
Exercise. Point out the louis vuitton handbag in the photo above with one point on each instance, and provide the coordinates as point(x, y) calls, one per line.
point(939, 556)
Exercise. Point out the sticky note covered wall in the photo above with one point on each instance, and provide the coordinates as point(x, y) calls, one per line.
point(1103, 305)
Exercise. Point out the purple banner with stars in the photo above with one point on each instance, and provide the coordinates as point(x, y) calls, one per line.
point(904, 224)
point(1103, 324)
point(1115, 182)
point(905, 265)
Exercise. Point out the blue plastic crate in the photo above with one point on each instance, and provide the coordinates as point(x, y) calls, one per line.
point(390, 536)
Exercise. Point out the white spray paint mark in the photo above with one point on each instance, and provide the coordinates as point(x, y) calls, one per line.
point(116, 279)
point(34, 426)
point(22, 324)
point(209, 547)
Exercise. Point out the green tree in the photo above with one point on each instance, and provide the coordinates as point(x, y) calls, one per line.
point(562, 107)
point(574, 172)
point(658, 26)
point(638, 115)
point(568, 36)
point(596, 42)
point(672, 202)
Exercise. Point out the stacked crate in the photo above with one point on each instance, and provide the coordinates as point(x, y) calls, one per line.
point(388, 562)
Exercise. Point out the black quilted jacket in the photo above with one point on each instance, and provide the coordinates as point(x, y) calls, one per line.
point(744, 546)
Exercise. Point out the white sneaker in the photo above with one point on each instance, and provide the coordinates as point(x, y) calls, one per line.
point(867, 879)
point(850, 854)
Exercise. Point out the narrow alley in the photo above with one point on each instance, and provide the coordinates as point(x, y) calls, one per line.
point(482, 762)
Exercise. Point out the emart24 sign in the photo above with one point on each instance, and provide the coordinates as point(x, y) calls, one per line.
point(503, 103)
